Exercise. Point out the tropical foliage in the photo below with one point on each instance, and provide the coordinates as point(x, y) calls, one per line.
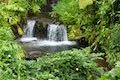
point(11, 53)
point(73, 64)
point(114, 74)
point(98, 21)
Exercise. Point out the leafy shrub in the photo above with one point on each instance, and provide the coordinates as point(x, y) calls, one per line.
point(74, 32)
point(114, 74)
point(73, 64)
point(114, 45)
point(13, 11)
point(10, 53)
point(74, 14)
point(93, 19)
point(115, 39)
point(67, 11)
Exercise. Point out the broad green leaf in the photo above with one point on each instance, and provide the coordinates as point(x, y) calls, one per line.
point(84, 3)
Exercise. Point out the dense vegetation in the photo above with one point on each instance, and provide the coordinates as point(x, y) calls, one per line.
point(12, 12)
point(98, 21)
point(74, 64)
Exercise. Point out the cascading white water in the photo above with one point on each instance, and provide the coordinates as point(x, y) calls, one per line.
point(57, 33)
point(28, 30)
point(57, 39)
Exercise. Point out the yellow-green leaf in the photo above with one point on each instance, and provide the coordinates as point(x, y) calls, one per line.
point(84, 3)
point(20, 31)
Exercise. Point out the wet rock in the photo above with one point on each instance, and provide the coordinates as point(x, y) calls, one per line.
point(82, 42)
point(33, 55)
point(48, 6)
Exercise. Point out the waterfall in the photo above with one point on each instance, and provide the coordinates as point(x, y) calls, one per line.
point(28, 30)
point(56, 39)
point(57, 33)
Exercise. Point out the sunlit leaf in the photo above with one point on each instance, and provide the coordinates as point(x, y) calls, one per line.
point(20, 31)
point(84, 3)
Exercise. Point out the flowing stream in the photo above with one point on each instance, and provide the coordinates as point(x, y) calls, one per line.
point(56, 39)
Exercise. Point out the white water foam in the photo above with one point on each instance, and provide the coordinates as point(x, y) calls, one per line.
point(53, 43)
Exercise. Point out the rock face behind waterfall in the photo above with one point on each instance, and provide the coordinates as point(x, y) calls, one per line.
point(57, 33)
point(48, 6)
